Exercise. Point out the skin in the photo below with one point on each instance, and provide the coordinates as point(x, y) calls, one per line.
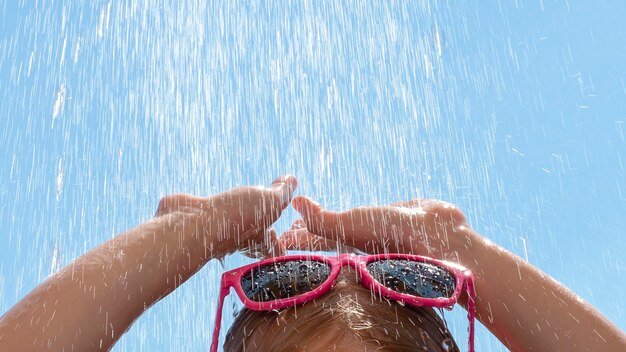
point(523, 307)
point(90, 303)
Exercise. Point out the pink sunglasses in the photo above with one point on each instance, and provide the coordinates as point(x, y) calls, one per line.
point(286, 281)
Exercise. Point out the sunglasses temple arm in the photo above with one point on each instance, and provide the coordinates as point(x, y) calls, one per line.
point(224, 290)
point(471, 310)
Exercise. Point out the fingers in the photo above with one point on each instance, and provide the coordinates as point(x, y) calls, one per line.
point(245, 215)
point(413, 203)
point(378, 229)
point(274, 246)
point(300, 239)
point(285, 185)
point(362, 228)
point(265, 244)
point(417, 226)
point(281, 190)
point(318, 220)
point(447, 211)
point(257, 207)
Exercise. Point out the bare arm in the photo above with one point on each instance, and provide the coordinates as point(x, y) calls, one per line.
point(526, 309)
point(90, 303)
point(523, 307)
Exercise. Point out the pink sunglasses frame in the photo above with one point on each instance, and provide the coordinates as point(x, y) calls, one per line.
point(464, 282)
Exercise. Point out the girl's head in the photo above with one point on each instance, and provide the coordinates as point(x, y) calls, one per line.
point(348, 318)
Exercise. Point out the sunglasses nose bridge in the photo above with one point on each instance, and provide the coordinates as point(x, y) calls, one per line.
point(349, 260)
point(345, 259)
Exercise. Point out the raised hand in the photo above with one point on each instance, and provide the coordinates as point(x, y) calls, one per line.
point(420, 226)
point(238, 219)
point(90, 303)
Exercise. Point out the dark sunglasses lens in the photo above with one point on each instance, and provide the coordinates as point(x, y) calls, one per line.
point(414, 278)
point(284, 279)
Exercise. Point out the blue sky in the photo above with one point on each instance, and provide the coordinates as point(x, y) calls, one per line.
point(513, 110)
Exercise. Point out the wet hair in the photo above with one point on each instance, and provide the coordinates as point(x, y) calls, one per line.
point(348, 311)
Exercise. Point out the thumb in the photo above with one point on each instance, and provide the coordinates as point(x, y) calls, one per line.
point(265, 244)
point(283, 187)
point(319, 221)
point(276, 198)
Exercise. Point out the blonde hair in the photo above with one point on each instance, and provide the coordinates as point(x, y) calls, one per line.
point(348, 311)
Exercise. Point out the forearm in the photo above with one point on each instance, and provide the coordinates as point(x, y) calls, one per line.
point(90, 303)
point(526, 309)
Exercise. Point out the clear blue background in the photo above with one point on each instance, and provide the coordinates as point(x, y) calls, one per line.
point(513, 110)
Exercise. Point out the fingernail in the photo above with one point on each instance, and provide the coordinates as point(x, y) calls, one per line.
point(297, 203)
point(291, 182)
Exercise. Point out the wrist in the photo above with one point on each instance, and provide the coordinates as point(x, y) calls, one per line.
point(190, 233)
point(202, 235)
point(459, 244)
